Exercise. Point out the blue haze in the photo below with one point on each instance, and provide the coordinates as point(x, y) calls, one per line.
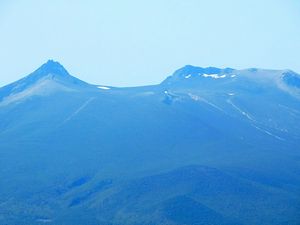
point(128, 43)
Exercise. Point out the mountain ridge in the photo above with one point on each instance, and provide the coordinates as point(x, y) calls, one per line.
point(204, 149)
point(54, 68)
point(48, 78)
point(52, 77)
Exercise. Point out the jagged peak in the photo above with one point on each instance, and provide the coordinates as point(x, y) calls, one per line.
point(51, 77)
point(193, 71)
point(51, 67)
point(190, 69)
point(53, 70)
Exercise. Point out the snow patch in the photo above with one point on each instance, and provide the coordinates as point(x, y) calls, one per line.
point(241, 111)
point(215, 76)
point(79, 109)
point(188, 76)
point(268, 133)
point(103, 87)
point(198, 98)
point(254, 121)
point(233, 75)
point(194, 97)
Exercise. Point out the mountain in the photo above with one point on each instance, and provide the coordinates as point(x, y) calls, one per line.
point(206, 146)
point(49, 78)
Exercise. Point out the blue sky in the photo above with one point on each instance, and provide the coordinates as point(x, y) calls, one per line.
point(134, 42)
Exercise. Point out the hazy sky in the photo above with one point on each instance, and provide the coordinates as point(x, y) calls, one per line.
point(135, 42)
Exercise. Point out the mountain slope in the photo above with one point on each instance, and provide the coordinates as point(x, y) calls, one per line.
point(49, 78)
point(204, 146)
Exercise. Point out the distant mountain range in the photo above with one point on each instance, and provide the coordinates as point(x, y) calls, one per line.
point(207, 146)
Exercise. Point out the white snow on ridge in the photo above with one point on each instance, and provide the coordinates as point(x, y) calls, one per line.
point(103, 87)
point(253, 121)
point(241, 111)
point(268, 133)
point(215, 76)
point(201, 99)
point(233, 75)
point(79, 109)
point(188, 76)
point(194, 97)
